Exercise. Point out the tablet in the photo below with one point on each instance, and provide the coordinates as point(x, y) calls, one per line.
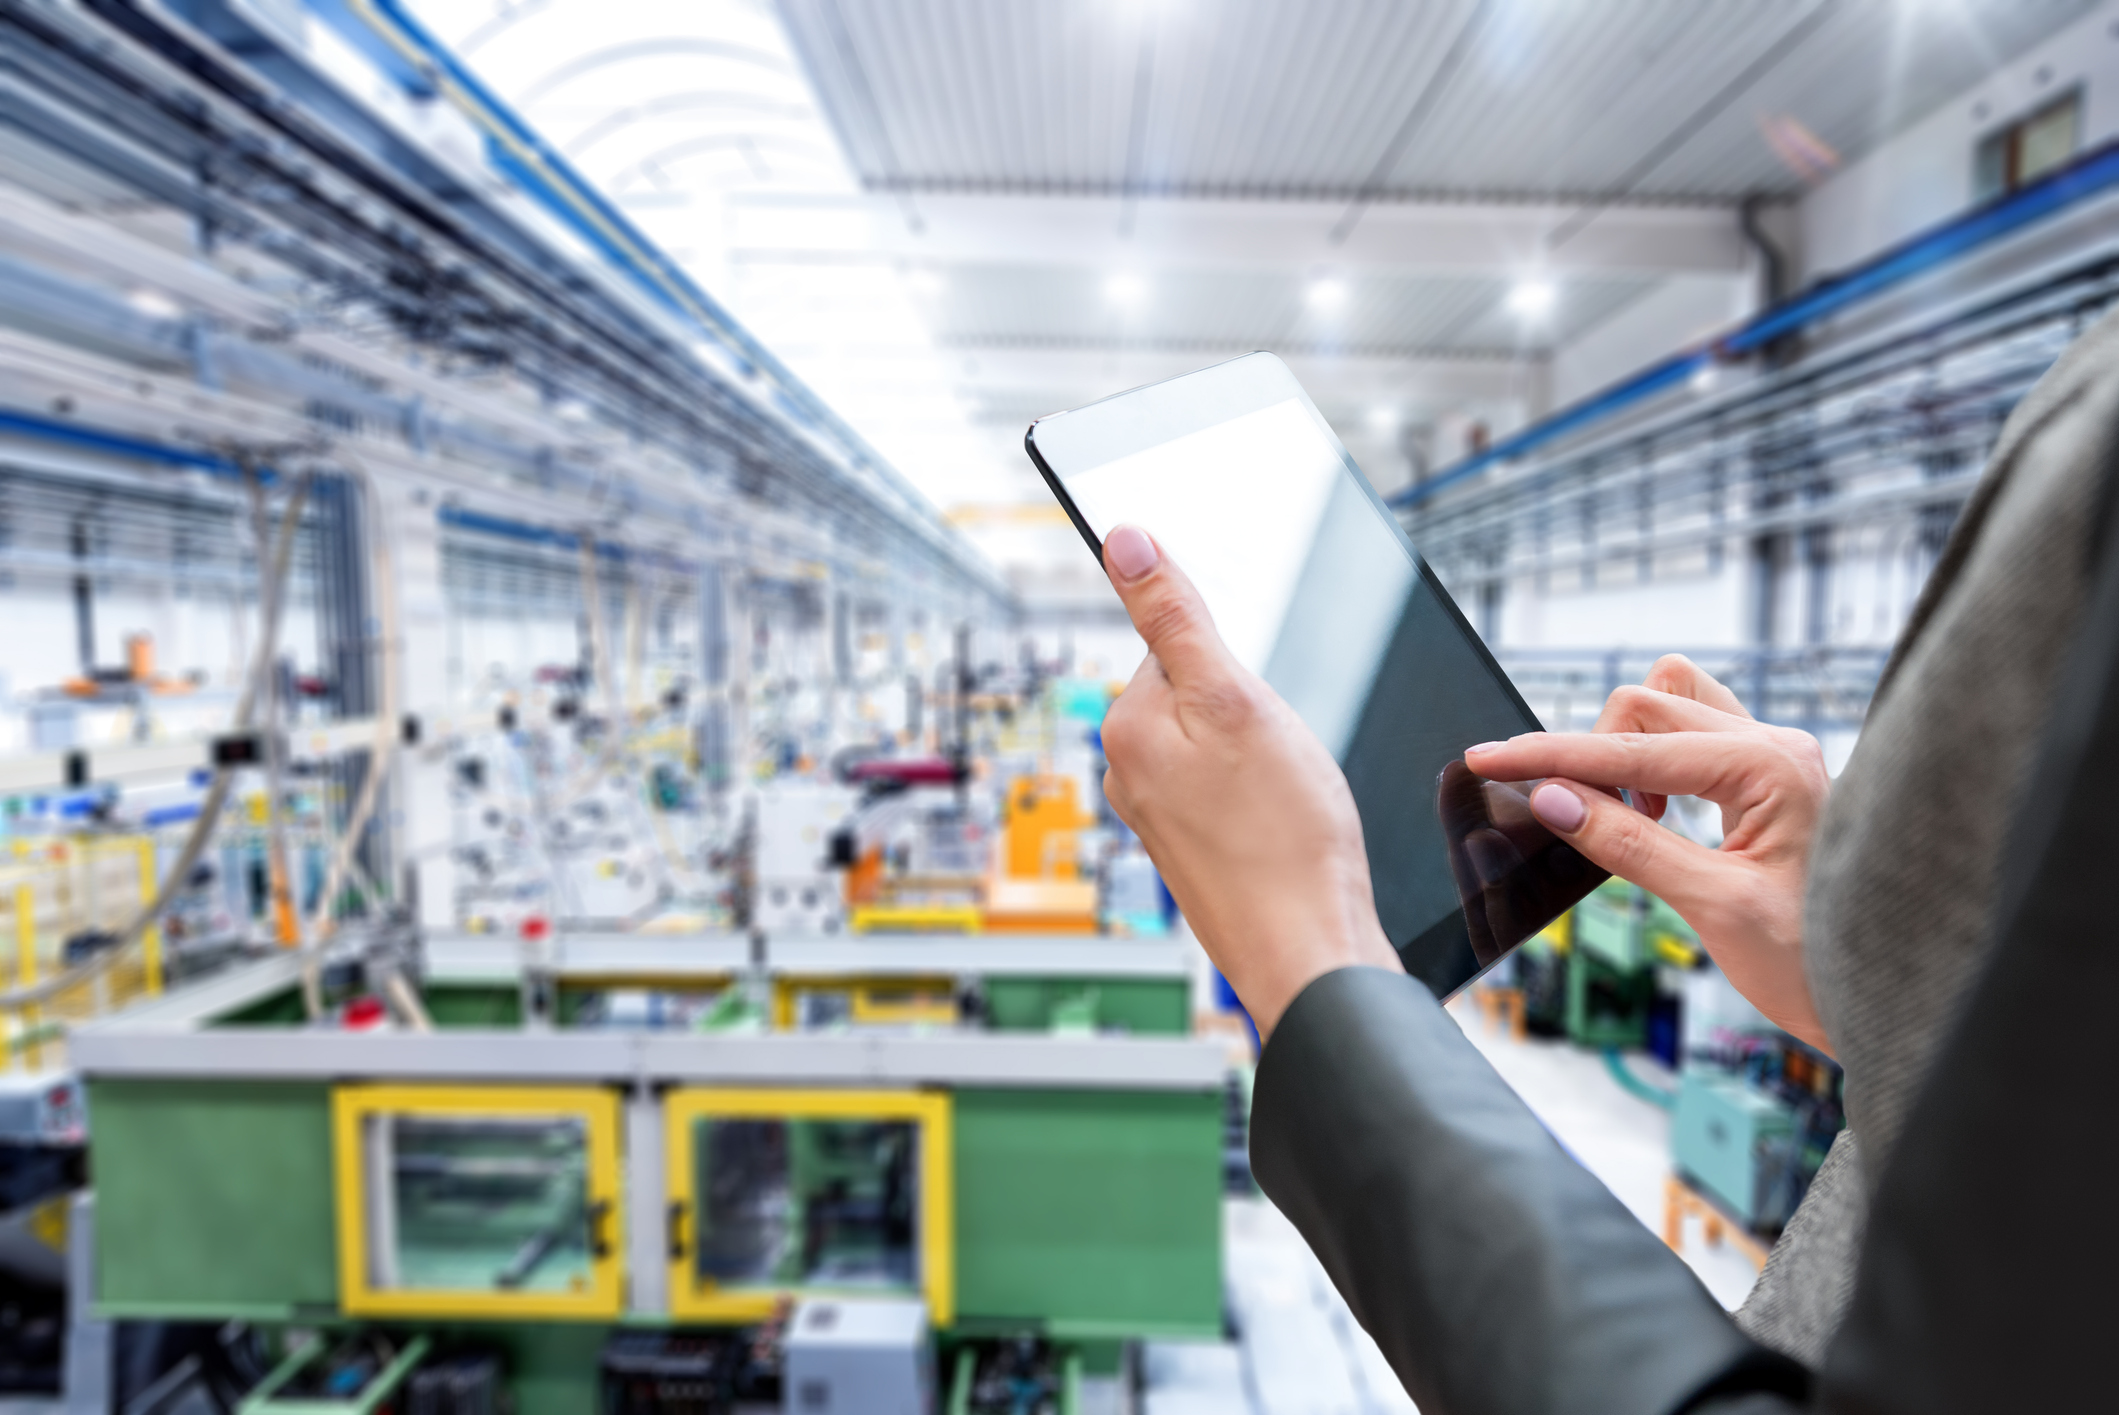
point(1315, 587)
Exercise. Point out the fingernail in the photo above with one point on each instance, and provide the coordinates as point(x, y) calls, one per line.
point(1128, 553)
point(1483, 747)
point(1558, 808)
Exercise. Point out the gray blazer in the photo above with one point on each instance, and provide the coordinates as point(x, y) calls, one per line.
point(1900, 911)
point(1499, 1278)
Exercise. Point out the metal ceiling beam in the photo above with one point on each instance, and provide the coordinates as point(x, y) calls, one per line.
point(1047, 379)
point(1092, 232)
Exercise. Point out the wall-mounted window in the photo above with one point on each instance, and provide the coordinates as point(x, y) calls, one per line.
point(2028, 148)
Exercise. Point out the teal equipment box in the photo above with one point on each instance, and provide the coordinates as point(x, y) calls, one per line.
point(1717, 1136)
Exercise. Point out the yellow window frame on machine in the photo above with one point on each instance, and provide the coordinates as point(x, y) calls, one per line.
point(704, 1300)
point(599, 1108)
point(873, 1001)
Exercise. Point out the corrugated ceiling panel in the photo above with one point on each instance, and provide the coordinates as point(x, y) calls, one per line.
point(1263, 96)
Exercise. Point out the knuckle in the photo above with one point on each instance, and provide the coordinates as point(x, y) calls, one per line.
point(1163, 618)
point(1121, 736)
point(1228, 702)
point(1629, 698)
point(1637, 749)
point(1629, 852)
point(1800, 751)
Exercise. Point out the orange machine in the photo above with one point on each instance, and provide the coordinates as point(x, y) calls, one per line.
point(1037, 885)
point(1040, 825)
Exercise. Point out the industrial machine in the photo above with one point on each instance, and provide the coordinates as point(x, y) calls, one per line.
point(1755, 1113)
point(1721, 1134)
point(545, 1189)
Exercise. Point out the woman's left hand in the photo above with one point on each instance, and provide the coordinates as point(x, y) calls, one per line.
point(1244, 812)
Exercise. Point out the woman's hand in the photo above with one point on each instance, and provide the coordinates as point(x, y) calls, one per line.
point(1242, 809)
point(1683, 734)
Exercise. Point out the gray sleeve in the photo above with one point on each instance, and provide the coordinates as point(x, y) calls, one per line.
point(1497, 1276)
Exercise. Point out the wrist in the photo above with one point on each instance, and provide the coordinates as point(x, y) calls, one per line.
point(1274, 976)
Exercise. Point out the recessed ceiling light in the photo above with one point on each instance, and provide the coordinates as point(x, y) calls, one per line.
point(1533, 298)
point(1125, 288)
point(1327, 294)
point(154, 304)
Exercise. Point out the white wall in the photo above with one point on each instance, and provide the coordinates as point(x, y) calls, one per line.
point(1688, 611)
point(1681, 310)
point(1924, 174)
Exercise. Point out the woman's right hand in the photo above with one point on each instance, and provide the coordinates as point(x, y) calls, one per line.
point(1681, 733)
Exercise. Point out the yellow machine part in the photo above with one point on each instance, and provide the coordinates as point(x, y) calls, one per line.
point(1560, 932)
point(1676, 951)
point(915, 918)
point(58, 888)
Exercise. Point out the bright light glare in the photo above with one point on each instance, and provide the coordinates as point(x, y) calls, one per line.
point(1327, 294)
point(154, 304)
point(1125, 288)
point(1383, 420)
point(925, 283)
point(1532, 298)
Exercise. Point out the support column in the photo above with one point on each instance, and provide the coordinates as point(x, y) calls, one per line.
point(422, 815)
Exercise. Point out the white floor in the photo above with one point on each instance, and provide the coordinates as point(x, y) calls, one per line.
point(1299, 1351)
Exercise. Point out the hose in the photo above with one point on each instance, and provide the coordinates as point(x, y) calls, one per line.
point(285, 916)
point(1634, 1086)
point(321, 924)
point(405, 998)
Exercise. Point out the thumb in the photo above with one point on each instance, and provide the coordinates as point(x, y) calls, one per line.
point(1616, 837)
point(1165, 607)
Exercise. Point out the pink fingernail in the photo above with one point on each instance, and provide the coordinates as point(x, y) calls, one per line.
point(1559, 808)
point(1128, 553)
point(1484, 747)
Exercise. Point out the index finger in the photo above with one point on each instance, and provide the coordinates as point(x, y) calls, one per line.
point(1667, 763)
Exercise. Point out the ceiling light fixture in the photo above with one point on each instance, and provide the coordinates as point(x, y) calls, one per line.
point(1327, 294)
point(1125, 288)
point(1533, 298)
point(154, 304)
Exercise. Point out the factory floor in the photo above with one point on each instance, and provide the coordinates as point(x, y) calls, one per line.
point(1299, 1351)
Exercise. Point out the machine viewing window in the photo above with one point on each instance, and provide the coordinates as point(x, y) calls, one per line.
point(472, 1204)
point(477, 1201)
point(774, 1193)
point(807, 1203)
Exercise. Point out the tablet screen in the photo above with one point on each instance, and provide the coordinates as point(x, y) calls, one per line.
point(1312, 587)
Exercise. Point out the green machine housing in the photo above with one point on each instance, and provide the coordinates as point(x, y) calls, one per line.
point(1083, 1175)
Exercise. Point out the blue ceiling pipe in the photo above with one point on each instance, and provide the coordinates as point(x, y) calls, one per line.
point(2087, 176)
